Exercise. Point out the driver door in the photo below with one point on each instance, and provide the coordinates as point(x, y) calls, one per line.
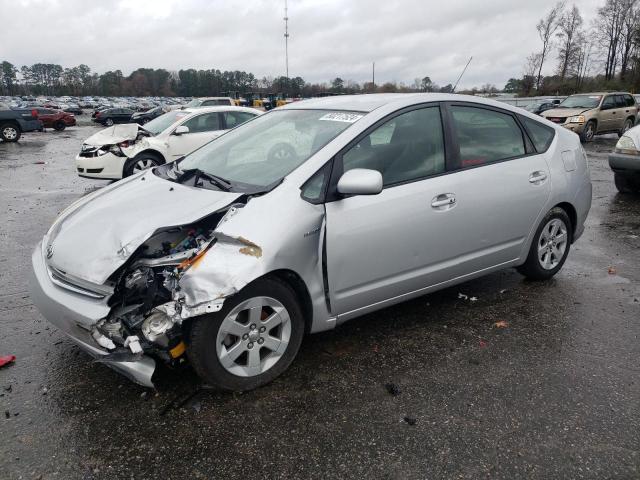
point(202, 129)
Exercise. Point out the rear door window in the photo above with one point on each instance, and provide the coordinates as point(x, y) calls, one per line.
point(484, 136)
point(620, 101)
point(540, 135)
point(233, 119)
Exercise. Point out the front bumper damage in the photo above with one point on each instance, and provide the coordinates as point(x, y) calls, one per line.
point(75, 315)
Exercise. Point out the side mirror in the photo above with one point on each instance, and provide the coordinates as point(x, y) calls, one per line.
point(360, 181)
point(181, 130)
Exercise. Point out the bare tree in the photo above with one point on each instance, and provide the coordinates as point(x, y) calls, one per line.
point(570, 37)
point(530, 68)
point(547, 27)
point(609, 25)
point(628, 36)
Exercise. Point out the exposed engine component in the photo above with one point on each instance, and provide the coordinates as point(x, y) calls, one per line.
point(155, 327)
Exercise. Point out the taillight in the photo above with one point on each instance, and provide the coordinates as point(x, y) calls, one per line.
point(34, 113)
point(97, 114)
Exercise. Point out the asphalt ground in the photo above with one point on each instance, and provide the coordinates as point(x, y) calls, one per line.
point(516, 380)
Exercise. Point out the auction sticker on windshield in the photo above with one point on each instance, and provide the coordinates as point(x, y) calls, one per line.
point(341, 117)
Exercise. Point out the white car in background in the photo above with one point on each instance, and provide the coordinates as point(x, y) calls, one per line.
point(122, 150)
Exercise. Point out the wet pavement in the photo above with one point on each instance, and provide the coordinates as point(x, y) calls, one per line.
point(529, 380)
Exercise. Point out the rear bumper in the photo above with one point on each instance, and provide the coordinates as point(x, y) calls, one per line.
point(75, 314)
point(624, 163)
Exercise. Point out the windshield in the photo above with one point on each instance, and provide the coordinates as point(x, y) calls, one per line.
point(581, 101)
point(163, 122)
point(193, 103)
point(269, 147)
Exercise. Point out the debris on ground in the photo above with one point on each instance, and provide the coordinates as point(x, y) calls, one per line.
point(612, 270)
point(179, 401)
point(483, 343)
point(410, 420)
point(7, 360)
point(504, 290)
point(501, 324)
point(7, 414)
point(463, 296)
point(473, 299)
point(393, 389)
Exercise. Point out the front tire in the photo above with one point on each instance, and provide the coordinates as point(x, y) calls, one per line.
point(550, 246)
point(140, 162)
point(108, 122)
point(588, 132)
point(624, 184)
point(59, 126)
point(251, 341)
point(9, 132)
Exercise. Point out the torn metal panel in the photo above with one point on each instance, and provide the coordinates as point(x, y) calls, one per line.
point(114, 134)
point(252, 242)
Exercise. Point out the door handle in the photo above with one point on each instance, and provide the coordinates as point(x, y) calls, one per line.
point(537, 177)
point(443, 200)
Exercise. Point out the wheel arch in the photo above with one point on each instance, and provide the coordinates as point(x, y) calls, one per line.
point(297, 284)
point(571, 212)
point(153, 152)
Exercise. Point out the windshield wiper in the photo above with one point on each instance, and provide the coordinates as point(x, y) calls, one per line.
point(219, 182)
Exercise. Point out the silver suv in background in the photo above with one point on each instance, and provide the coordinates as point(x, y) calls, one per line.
point(230, 255)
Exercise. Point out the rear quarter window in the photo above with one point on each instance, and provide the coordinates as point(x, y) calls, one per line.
point(540, 134)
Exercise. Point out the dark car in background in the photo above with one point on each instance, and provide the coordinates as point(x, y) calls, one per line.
point(56, 119)
point(15, 121)
point(145, 117)
point(73, 108)
point(540, 107)
point(113, 115)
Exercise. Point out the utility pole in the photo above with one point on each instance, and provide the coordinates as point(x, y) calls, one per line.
point(373, 81)
point(286, 38)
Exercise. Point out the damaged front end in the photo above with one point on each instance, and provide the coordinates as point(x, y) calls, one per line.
point(150, 301)
point(120, 140)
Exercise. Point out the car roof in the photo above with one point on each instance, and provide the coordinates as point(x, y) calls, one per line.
point(601, 93)
point(370, 102)
point(212, 98)
point(218, 108)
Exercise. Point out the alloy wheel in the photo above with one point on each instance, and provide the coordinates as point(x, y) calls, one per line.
point(143, 164)
point(552, 244)
point(253, 336)
point(10, 133)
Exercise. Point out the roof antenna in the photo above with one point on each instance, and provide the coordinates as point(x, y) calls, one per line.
point(464, 70)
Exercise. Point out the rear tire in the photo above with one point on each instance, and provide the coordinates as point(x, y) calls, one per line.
point(550, 246)
point(108, 122)
point(588, 132)
point(628, 123)
point(59, 126)
point(211, 348)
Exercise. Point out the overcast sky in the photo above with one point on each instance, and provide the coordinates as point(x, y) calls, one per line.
point(406, 38)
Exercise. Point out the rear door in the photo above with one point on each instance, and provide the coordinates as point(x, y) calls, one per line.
point(202, 129)
point(608, 114)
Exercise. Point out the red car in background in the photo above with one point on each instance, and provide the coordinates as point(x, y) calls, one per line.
point(56, 119)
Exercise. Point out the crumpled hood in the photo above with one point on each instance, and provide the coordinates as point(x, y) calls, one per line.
point(114, 134)
point(95, 236)
point(564, 112)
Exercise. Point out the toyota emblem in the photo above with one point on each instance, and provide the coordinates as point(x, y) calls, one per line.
point(49, 251)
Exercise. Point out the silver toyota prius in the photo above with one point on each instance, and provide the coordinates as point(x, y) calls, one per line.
point(301, 219)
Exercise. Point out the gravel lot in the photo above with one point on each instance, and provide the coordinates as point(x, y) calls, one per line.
point(553, 392)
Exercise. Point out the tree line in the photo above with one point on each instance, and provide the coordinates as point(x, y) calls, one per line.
point(54, 80)
point(604, 55)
